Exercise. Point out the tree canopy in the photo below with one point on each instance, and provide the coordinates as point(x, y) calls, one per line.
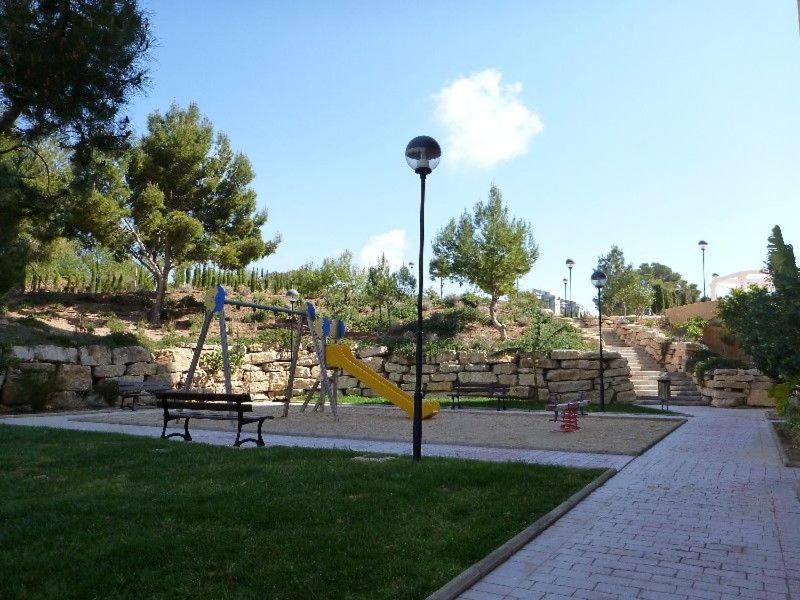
point(185, 197)
point(67, 68)
point(626, 289)
point(767, 324)
point(487, 249)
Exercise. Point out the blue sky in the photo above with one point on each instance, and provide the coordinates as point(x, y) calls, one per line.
point(645, 124)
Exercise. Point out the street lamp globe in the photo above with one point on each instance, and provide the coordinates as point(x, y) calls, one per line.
point(570, 263)
point(599, 279)
point(703, 245)
point(423, 154)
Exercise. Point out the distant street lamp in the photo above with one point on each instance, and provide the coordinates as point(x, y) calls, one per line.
point(703, 245)
point(422, 155)
point(570, 264)
point(293, 295)
point(599, 280)
point(566, 302)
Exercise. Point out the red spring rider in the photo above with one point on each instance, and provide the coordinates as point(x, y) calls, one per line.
point(569, 418)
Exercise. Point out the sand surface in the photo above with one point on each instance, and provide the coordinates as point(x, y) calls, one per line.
point(506, 429)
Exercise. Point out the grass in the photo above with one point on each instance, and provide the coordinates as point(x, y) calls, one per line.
point(103, 515)
point(516, 404)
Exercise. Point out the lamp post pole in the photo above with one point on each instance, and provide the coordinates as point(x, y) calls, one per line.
point(422, 155)
point(566, 305)
point(599, 281)
point(703, 245)
point(570, 264)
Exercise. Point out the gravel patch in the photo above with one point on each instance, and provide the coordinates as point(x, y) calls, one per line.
point(608, 435)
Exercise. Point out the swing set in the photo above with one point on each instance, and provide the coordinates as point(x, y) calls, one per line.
point(335, 355)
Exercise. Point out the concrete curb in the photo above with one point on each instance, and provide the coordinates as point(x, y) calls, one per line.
point(785, 460)
point(488, 563)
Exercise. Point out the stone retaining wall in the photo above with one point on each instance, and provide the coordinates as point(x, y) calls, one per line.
point(736, 387)
point(264, 372)
point(669, 353)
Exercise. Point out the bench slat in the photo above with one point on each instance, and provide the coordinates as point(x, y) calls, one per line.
point(216, 406)
point(191, 395)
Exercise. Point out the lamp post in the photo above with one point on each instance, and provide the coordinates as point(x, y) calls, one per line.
point(293, 295)
point(422, 155)
point(703, 245)
point(570, 263)
point(599, 280)
point(566, 305)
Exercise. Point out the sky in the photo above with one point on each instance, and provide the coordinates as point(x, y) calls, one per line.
point(650, 125)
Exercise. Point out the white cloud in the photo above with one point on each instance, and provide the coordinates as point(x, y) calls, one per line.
point(391, 244)
point(486, 121)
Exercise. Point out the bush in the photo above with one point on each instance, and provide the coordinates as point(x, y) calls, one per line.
point(7, 358)
point(698, 357)
point(278, 339)
point(37, 388)
point(716, 362)
point(470, 299)
point(450, 300)
point(115, 325)
point(108, 391)
point(447, 323)
point(694, 328)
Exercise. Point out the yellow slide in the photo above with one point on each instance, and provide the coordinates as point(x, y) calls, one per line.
point(340, 356)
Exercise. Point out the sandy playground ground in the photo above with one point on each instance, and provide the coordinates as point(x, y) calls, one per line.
point(506, 429)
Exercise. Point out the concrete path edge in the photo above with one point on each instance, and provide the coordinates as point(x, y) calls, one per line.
point(471, 575)
point(787, 462)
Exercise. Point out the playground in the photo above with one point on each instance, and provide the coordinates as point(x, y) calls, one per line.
point(506, 429)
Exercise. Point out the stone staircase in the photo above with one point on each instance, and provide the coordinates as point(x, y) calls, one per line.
point(645, 372)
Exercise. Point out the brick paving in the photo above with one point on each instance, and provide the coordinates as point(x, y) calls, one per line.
point(709, 512)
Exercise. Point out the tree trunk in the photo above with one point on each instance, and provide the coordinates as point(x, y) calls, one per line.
point(494, 319)
point(158, 304)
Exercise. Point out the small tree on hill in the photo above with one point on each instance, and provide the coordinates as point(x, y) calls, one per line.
point(627, 289)
point(487, 249)
point(187, 199)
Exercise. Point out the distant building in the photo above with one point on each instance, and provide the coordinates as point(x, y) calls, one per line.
point(559, 306)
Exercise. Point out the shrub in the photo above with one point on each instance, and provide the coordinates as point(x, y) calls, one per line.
point(279, 338)
point(447, 323)
point(450, 300)
point(108, 391)
point(37, 388)
point(697, 357)
point(7, 358)
point(115, 325)
point(470, 299)
point(716, 362)
point(693, 328)
point(211, 362)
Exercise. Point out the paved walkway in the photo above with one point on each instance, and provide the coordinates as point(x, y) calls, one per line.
point(225, 438)
point(707, 513)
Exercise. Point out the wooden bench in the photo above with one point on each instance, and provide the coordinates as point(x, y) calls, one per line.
point(184, 405)
point(492, 390)
point(554, 405)
point(135, 389)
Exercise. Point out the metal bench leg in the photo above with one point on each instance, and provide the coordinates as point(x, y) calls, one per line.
point(260, 440)
point(164, 429)
point(186, 435)
point(238, 443)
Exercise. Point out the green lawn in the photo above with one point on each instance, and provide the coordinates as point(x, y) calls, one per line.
point(103, 515)
point(491, 403)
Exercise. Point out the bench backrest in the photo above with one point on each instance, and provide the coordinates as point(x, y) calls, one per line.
point(203, 401)
point(142, 386)
point(481, 388)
